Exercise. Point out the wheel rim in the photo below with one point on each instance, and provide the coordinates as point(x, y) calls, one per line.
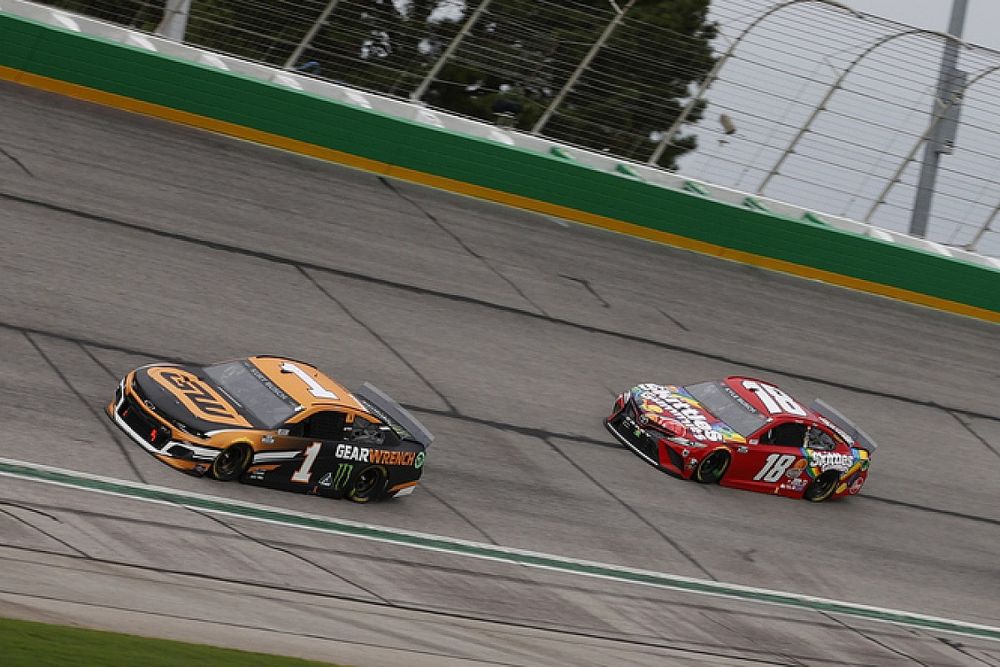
point(716, 464)
point(823, 487)
point(366, 482)
point(229, 461)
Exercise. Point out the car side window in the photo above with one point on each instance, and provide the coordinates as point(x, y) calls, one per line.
point(324, 425)
point(366, 432)
point(789, 434)
point(817, 438)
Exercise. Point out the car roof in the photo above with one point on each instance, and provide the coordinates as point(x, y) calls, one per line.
point(776, 407)
point(305, 384)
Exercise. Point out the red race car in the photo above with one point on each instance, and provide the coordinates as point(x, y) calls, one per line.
point(745, 433)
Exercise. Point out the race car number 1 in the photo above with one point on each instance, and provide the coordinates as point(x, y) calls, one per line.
point(315, 388)
point(774, 467)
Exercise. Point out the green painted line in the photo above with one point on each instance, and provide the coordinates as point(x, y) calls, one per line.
point(147, 493)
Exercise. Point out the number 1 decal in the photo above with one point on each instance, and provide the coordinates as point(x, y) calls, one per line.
point(304, 472)
point(774, 467)
point(775, 400)
point(315, 388)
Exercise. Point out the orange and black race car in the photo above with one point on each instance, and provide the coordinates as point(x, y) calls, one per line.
point(273, 422)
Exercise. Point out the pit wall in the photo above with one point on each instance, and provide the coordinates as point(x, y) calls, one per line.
point(204, 95)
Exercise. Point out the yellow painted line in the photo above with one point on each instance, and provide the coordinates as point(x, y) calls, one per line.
point(460, 187)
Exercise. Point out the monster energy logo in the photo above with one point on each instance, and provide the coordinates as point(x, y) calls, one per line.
point(339, 478)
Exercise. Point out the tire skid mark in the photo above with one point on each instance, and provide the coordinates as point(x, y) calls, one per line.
point(590, 288)
point(461, 515)
point(41, 530)
point(268, 545)
point(97, 414)
point(529, 431)
point(902, 654)
point(958, 646)
point(13, 158)
point(570, 633)
point(666, 538)
point(396, 353)
point(968, 427)
point(459, 298)
point(465, 246)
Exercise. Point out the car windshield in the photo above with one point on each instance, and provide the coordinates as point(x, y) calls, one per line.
point(719, 399)
point(265, 402)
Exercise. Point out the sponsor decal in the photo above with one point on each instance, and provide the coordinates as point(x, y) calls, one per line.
point(267, 382)
point(340, 476)
point(418, 461)
point(739, 399)
point(327, 479)
point(381, 456)
point(257, 474)
point(657, 399)
point(836, 429)
point(796, 470)
point(797, 484)
point(856, 484)
point(199, 398)
point(830, 461)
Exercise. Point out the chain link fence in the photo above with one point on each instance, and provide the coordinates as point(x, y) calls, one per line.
point(816, 105)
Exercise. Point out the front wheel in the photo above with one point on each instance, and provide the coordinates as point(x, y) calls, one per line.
point(369, 484)
point(711, 468)
point(822, 487)
point(231, 463)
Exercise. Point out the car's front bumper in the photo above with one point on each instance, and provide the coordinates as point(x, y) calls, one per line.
point(647, 444)
point(155, 435)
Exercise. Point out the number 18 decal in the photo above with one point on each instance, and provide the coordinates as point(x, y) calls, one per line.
point(775, 400)
point(774, 467)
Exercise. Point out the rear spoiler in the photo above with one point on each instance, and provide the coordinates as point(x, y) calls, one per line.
point(382, 406)
point(861, 439)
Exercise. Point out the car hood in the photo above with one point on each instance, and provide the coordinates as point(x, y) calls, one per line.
point(672, 409)
point(184, 394)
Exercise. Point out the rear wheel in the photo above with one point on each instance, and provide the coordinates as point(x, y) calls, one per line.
point(822, 487)
point(711, 468)
point(231, 463)
point(369, 484)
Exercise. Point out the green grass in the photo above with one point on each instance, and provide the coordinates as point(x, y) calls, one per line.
point(37, 644)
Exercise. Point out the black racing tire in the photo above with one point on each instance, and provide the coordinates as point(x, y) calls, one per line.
point(822, 487)
point(369, 485)
point(711, 468)
point(232, 462)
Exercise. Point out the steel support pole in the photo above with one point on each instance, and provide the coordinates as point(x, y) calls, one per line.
point(834, 88)
point(175, 18)
point(937, 142)
point(448, 52)
point(971, 245)
point(584, 64)
point(311, 34)
point(936, 120)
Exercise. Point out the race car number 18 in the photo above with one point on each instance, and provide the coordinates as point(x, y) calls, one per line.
point(774, 467)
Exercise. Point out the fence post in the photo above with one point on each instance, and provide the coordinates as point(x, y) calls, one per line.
point(175, 18)
point(436, 69)
point(584, 64)
point(310, 35)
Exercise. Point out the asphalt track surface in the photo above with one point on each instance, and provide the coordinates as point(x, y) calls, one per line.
point(125, 240)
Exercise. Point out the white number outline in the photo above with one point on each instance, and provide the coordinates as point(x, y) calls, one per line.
point(774, 467)
point(775, 400)
point(304, 473)
point(315, 388)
